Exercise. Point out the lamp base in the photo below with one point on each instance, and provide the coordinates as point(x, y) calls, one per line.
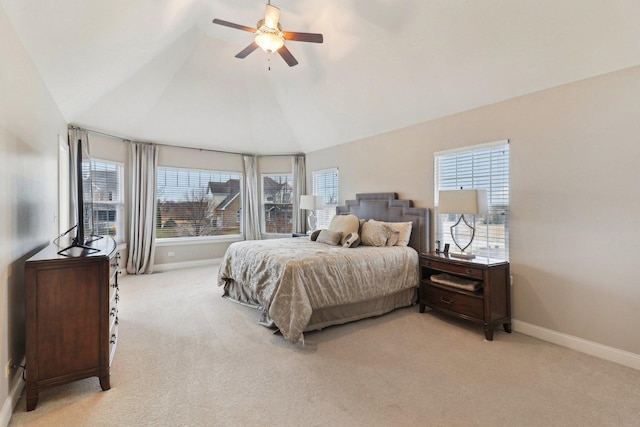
point(462, 255)
point(311, 222)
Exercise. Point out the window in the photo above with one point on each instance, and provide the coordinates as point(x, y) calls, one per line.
point(325, 185)
point(277, 194)
point(104, 198)
point(486, 167)
point(198, 203)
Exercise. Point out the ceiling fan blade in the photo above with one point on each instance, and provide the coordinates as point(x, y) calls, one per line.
point(287, 56)
point(271, 17)
point(303, 37)
point(247, 50)
point(232, 25)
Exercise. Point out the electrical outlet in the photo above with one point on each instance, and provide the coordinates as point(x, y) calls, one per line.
point(7, 368)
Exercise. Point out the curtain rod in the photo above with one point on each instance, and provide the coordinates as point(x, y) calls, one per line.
point(127, 140)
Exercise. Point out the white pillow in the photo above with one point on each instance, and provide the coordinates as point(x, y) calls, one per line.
point(404, 230)
point(345, 224)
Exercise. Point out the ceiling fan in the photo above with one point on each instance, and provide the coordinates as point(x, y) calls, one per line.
point(270, 37)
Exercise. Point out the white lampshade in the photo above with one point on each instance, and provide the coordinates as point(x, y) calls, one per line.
point(307, 202)
point(462, 201)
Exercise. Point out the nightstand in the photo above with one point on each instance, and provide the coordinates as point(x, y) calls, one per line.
point(490, 305)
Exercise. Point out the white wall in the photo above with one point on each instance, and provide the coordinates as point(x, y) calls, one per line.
point(575, 197)
point(30, 124)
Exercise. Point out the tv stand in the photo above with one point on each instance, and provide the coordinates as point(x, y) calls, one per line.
point(85, 248)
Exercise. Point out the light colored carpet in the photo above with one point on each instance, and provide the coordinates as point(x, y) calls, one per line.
point(187, 357)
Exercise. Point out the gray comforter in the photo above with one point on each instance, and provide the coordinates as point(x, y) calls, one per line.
point(289, 278)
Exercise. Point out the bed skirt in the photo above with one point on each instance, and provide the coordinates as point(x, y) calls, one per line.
point(338, 315)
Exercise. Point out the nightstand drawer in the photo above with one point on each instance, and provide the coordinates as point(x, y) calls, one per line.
point(467, 305)
point(452, 268)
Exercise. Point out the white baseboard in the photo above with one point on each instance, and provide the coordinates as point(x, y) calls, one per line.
point(187, 264)
point(611, 354)
point(15, 390)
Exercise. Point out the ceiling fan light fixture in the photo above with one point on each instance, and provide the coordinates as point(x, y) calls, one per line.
point(269, 39)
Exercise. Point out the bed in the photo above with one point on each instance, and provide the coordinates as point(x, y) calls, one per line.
point(302, 285)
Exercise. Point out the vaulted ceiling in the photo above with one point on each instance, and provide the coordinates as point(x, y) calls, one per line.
point(159, 70)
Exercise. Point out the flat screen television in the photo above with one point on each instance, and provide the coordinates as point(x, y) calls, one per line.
point(81, 243)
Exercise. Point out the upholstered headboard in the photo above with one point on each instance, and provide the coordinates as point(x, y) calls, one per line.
point(387, 207)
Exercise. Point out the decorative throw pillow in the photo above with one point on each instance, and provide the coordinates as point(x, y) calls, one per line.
point(314, 235)
point(352, 240)
point(377, 233)
point(404, 233)
point(393, 237)
point(329, 237)
point(404, 230)
point(345, 224)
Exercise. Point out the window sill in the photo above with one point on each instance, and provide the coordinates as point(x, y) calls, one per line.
point(180, 241)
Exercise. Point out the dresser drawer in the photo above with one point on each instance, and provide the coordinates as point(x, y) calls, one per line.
point(452, 268)
point(465, 305)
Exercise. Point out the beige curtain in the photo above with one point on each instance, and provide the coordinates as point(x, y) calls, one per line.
point(299, 188)
point(251, 199)
point(142, 172)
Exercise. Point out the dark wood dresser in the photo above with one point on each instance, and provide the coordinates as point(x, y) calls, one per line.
point(489, 305)
point(71, 316)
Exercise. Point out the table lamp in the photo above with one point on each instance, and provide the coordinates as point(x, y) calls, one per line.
point(462, 202)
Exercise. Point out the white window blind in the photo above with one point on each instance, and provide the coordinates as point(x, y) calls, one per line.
point(486, 167)
point(104, 198)
point(198, 203)
point(277, 200)
point(325, 185)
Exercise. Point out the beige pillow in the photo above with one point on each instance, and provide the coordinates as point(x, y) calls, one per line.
point(329, 237)
point(377, 233)
point(404, 230)
point(345, 224)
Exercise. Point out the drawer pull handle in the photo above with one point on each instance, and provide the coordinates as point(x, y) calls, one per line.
point(467, 271)
point(446, 301)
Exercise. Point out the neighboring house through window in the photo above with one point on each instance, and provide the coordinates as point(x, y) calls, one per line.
point(325, 185)
point(484, 166)
point(198, 203)
point(104, 199)
point(277, 193)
